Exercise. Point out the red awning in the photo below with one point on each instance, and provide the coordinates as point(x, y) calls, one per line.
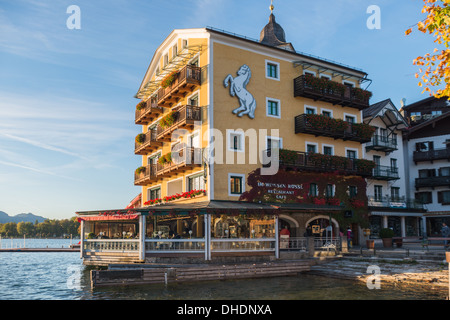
point(109, 217)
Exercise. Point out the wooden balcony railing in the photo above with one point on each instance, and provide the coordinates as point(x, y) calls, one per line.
point(186, 80)
point(299, 160)
point(150, 112)
point(184, 159)
point(382, 143)
point(184, 118)
point(431, 155)
point(320, 125)
point(149, 144)
point(439, 181)
point(331, 91)
point(385, 173)
point(146, 176)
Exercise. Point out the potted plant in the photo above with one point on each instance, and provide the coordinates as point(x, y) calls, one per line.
point(386, 235)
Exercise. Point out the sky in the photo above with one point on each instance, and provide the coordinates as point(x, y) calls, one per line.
point(67, 95)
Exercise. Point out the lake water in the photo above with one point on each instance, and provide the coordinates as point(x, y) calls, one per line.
point(62, 276)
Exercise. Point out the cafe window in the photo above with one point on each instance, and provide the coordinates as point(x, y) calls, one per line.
point(236, 184)
point(240, 226)
point(424, 197)
point(196, 182)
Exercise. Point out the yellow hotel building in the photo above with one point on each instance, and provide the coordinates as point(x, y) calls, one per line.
point(233, 121)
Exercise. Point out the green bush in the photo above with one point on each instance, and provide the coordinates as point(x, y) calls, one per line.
point(386, 233)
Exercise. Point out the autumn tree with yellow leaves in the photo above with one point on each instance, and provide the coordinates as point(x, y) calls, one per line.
point(435, 67)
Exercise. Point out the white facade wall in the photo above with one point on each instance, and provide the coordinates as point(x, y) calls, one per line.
point(413, 171)
point(386, 161)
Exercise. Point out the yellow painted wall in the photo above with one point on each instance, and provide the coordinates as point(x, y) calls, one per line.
point(227, 60)
point(202, 92)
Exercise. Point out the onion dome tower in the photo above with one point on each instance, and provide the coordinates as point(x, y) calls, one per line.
point(273, 34)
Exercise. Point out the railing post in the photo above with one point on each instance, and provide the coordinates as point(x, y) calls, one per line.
point(207, 237)
point(82, 239)
point(142, 227)
point(277, 243)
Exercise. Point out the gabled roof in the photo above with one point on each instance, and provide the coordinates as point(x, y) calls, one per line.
point(388, 113)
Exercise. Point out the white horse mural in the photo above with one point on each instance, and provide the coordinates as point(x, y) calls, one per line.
point(247, 103)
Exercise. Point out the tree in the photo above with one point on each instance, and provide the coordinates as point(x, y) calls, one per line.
point(436, 66)
point(25, 228)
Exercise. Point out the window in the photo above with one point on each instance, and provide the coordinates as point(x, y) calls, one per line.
point(351, 119)
point(309, 110)
point(427, 173)
point(352, 191)
point(444, 197)
point(328, 150)
point(394, 167)
point(424, 146)
point(309, 73)
point(351, 154)
point(193, 101)
point(424, 197)
point(329, 191)
point(166, 60)
point(326, 113)
point(196, 182)
point(235, 141)
point(436, 113)
point(272, 70)
point(311, 148)
point(395, 193)
point(236, 184)
point(273, 108)
point(185, 43)
point(378, 193)
point(174, 51)
point(274, 143)
point(313, 190)
point(444, 172)
point(153, 194)
point(349, 84)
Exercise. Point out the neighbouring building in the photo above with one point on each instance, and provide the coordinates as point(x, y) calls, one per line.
point(427, 150)
point(240, 138)
point(390, 205)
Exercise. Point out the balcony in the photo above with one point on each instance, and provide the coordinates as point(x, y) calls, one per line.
point(183, 82)
point(182, 118)
point(330, 91)
point(431, 182)
point(382, 143)
point(180, 160)
point(431, 155)
point(144, 175)
point(146, 143)
point(385, 173)
point(320, 125)
point(148, 113)
point(316, 162)
point(394, 202)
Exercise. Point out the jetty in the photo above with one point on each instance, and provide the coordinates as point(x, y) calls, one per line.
point(70, 249)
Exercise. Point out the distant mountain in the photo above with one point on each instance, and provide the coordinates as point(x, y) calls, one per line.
point(25, 217)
